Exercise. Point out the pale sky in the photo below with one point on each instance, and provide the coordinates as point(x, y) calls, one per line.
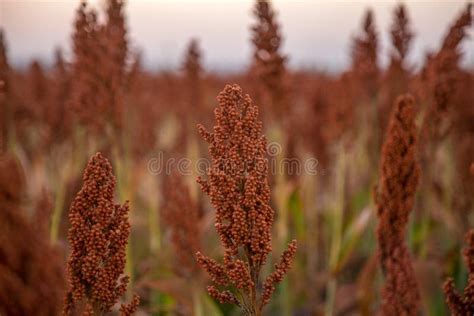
point(316, 33)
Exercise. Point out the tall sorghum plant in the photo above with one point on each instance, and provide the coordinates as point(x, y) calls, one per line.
point(238, 188)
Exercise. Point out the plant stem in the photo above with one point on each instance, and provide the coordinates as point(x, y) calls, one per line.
point(197, 304)
point(330, 297)
point(125, 194)
point(153, 226)
point(336, 232)
point(57, 211)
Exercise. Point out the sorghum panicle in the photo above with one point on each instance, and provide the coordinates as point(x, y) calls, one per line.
point(31, 269)
point(399, 176)
point(181, 214)
point(113, 58)
point(98, 238)
point(4, 91)
point(396, 79)
point(238, 188)
point(364, 55)
point(401, 33)
point(84, 99)
point(442, 76)
point(463, 305)
point(268, 61)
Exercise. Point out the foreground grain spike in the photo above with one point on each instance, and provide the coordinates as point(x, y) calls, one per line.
point(399, 177)
point(98, 238)
point(463, 305)
point(238, 188)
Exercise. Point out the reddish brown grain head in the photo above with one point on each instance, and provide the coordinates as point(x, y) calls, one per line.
point(59, 115)
point(98, 238)
point(463, 305)
point(100, 53)
point(237, 181)
point(193, 71)
point(4, 74)
point(399, 176)
point(268, 61)
point(401, 33)
point(181, 215)
point(458, 30)
point(31, 269)
point(192, 62)
point(190, 109)
point(237, 186)
point(4, 66)
point(116, 37)
point(396, 80)
point(114, 58)
point(364, 55)
point(85, 94)
point(442, 76)
point(281, 269)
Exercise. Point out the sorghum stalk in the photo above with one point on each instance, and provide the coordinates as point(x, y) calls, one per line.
point(336, 233)
point(238, 188)
point(124, 188)
point(154, 224)
point(62, 179)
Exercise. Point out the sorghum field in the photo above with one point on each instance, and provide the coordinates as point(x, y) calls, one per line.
point(268, 191)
